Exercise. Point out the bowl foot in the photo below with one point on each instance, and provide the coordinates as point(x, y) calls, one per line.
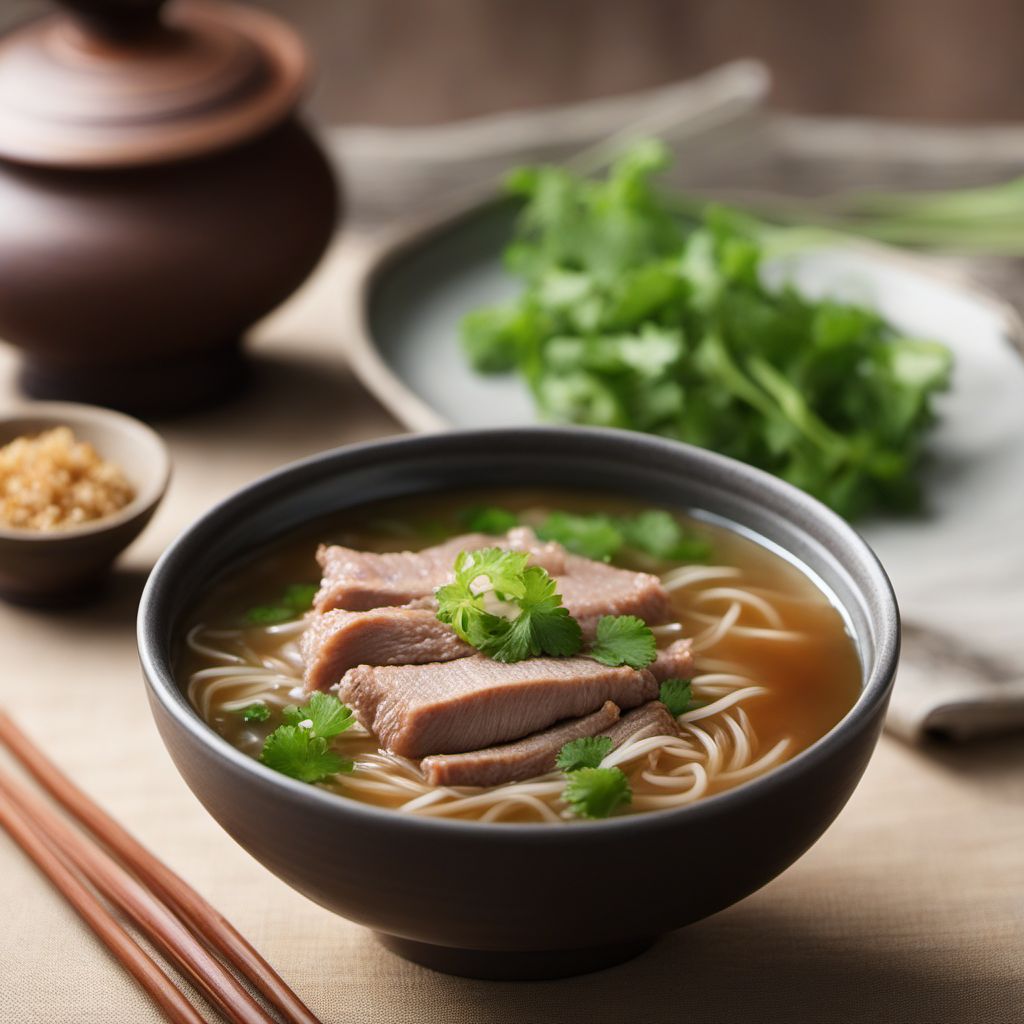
point(496, 965)
point(157, 387)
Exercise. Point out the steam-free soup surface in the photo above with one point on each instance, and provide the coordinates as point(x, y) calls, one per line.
point(772, 655)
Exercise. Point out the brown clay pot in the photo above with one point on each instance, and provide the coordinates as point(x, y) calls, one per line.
point(135, 255)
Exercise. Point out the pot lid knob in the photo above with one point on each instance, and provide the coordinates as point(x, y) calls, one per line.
point(117, 83)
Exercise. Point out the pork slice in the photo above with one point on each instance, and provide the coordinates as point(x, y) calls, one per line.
point(650, 719)
point(524, 759)
point(338, 640)
point(474, 702)
point(359, 580)
point(591, 589)
point(674, 661)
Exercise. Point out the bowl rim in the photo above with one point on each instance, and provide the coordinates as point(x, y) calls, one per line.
point(874, 692)
point(139, 434)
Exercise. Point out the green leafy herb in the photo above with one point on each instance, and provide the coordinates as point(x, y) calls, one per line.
point(300, 748)
point(586, 752)
point(635, 316)
point(258, 712)
point(623, 640)
point(599, 536)
point(294, 751)
point(327, 716)
point(506, 610)
point(593, 536)
point(659, 534)
point(596, 792)
point(296, 600)
point(676, 695)
point(489, 519)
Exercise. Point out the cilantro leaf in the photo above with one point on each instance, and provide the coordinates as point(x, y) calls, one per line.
point(294, 602)
point(659, 533)
point(596, 792)
point(593, 536)
point(256, 712)
point(489, 519)
point(542, 626)
point(327, 715)
point(676, 695)
point(624, 640)
point(299, 748)
point(586, 752)
point(294, 751)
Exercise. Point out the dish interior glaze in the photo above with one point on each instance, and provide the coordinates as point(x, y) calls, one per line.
point(775, 670)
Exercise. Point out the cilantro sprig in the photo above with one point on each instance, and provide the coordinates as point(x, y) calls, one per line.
point(300, 748)
point(296, 600)
point(585, 752)
point(654, 532)
point(506, 609)
point(624, 640)
point(255, 712)
point(677, 696)
point(597, 792)
point(590, 790)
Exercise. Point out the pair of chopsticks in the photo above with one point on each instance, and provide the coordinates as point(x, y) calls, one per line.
point(103, 858)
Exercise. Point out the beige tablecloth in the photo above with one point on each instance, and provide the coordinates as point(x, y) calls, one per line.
point(910, 909)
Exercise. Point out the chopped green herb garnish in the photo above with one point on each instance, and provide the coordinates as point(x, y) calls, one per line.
point(489, 519)
point(596, 792)
point(659, 533)
point(586, 752)
point(676, 695)
point(296, 600)
point(295, 751)
point(652, 313)
point(593, 536)
point(299, 748)
point(506, 610)
point(257, 712)
point(624, 640)
point(326, 714)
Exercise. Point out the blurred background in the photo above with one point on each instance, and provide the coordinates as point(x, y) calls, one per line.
point(403, 62)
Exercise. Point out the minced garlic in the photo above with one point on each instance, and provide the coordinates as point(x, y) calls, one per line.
point(53, 481)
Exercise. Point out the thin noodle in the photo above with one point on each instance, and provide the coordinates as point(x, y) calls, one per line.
point(768, 613)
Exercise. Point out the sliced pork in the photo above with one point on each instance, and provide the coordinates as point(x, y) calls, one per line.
point(650, 719)
point(472, 703)
point(524, 759)
point(591, 589)
point(338, 640)
point(359, 580)
point(674, 661)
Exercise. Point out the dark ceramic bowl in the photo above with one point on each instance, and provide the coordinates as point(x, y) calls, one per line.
point(522, 901)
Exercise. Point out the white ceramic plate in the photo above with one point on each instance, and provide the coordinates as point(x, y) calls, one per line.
point(958, 569)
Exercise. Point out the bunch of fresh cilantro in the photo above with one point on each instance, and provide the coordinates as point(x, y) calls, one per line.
point(631, 317)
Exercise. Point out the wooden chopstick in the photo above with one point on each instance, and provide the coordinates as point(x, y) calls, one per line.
point(171, 889)
point(162, 990)
point(114, 883)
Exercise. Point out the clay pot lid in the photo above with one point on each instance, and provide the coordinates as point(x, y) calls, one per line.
point(117, 83)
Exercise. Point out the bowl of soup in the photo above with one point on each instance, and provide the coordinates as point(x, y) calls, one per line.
point(520, 701)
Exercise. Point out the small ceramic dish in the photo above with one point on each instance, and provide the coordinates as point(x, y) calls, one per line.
point(497, 900)
point(62, 566)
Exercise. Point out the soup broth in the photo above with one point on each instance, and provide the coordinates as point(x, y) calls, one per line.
point(775, 668)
